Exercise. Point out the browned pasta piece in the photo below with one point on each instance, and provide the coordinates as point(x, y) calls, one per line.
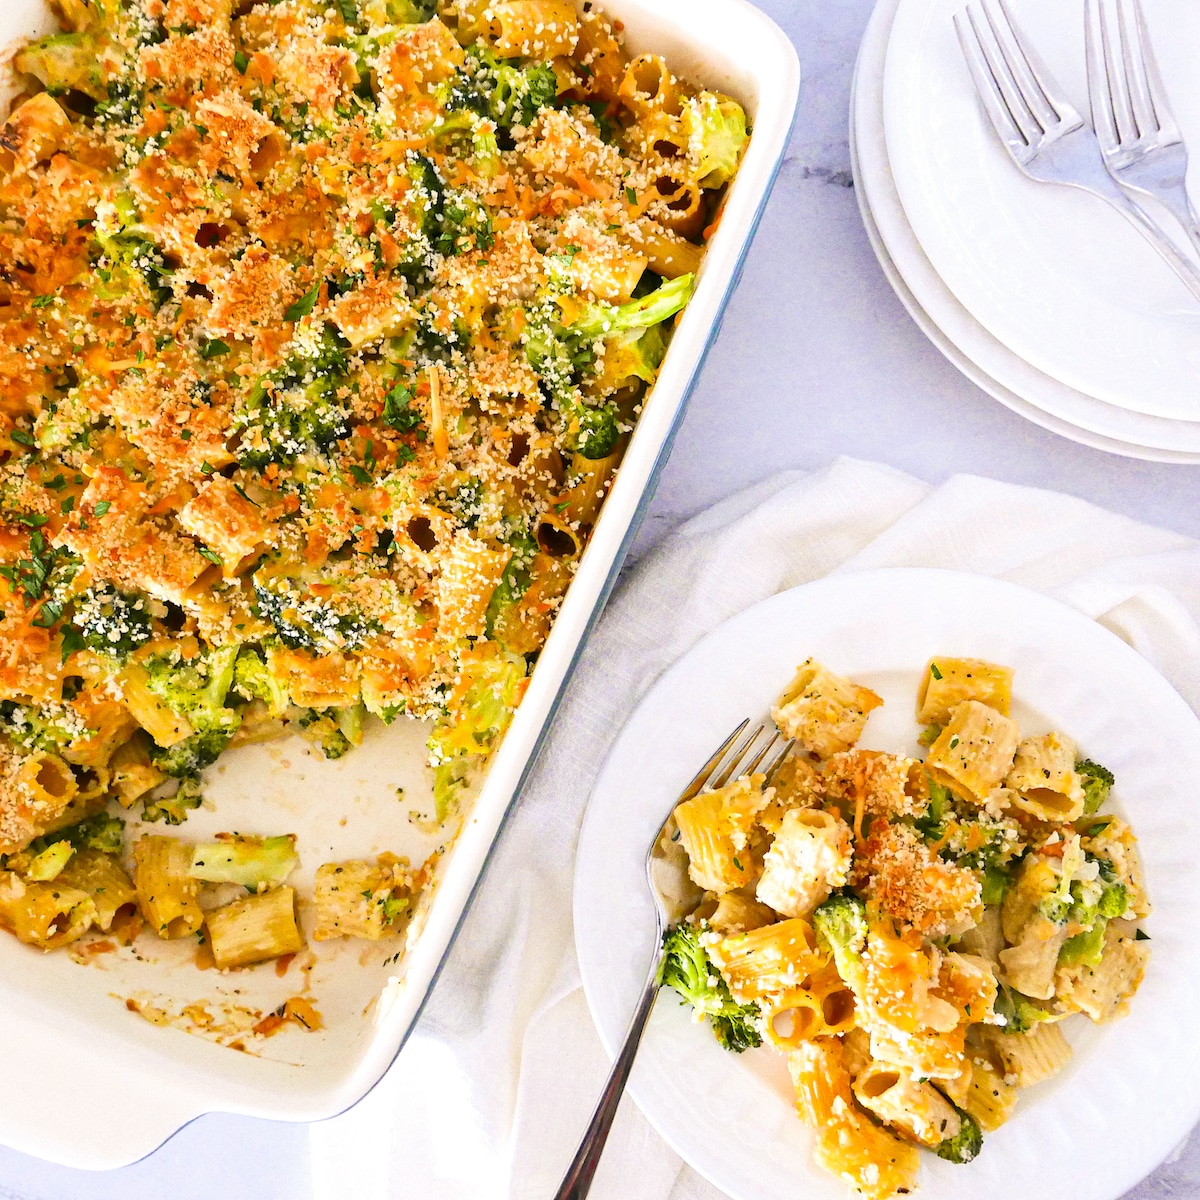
point(715, 830)
point(1044, 781)
point(848, 1143)
point(824, 712)
point(767, 961)
point(947, 682)
point(254, 929)
point(533, 28)
point(167, 894)
point(356, 899)
point(1024, 1059)
point(46, 915)
point(103, 878)
point(974, 752)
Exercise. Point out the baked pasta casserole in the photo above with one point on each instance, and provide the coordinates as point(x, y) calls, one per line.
point(911, 934)
point(323, 327)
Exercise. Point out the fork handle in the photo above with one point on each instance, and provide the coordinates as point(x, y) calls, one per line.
point(578, 1179)
point(1183, 266)
point(1179, 204)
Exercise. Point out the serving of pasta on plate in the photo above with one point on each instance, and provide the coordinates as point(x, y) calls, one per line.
point(323, 330)
point(912, 934)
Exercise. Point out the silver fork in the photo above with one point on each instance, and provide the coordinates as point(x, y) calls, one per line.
point(1142, 146)
point(1042, 133)
point(664, 860)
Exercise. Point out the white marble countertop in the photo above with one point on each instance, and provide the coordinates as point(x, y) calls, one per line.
point(816, 358)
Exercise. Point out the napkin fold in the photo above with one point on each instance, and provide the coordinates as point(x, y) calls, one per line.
point(491, 1093)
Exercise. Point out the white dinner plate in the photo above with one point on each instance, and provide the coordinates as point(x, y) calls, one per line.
point(1132, 1091)
point(1055, 274)
point(985, 360)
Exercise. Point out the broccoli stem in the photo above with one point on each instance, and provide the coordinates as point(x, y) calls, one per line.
point(642, 313)
point(250, 861)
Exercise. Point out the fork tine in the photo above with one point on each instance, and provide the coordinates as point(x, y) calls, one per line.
point(1145, 79)
point(990, 95)
point(732, 769)
point(702, 776)
point(770, 769)
point(1017, 56)
point(1133, 63)
point(1115, 55)
point(1001, 71)
point(1099, 82)
point(752, 766)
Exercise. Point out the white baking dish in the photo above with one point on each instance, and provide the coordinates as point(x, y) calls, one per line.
point(94, 1085)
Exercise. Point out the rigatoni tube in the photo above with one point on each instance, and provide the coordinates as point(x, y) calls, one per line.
point(166, 892)
point(254, 928)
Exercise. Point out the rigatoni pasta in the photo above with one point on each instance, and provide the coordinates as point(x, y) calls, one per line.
point(254, 928)
point(912, 935)
point(323, 331)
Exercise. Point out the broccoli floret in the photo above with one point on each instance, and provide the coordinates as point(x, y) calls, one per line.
point(634, 355)
point(556, 357)
point(450, 221)
point(502, 91)
point(1084, 896)
point(994, 885)
point(1086, 947)
point(515, 581)
point(1097, 783)
point(686, 967)
point(388, 12)
point(100, 832)
point(598, 432)
point(47, 864)
point(410, 12)
point(250, 861)
point(349, 720)
point(293, 421)
point(323, 730)
point(1019, 1012)
point(716, 137)
point(193, 754)
point(305, 621)
point(1115, 897)
point(841, 927)
point(995, 842)
point(965, 1144)
point(253, 681)
point(174, 809)
point(1093, 912)
point(479, 712)
point(64, 62)
point(450, 780)
point(297, 409)
point(931, 824)
point(465, 502)
point(197, 689)
point(47, 726)
point(559, 353)
point(135, 257)
point(112, 622)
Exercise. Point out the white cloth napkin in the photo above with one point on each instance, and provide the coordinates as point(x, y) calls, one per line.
point(490, 1095)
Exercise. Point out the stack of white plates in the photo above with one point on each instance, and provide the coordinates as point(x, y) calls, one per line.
point(1044, 296)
